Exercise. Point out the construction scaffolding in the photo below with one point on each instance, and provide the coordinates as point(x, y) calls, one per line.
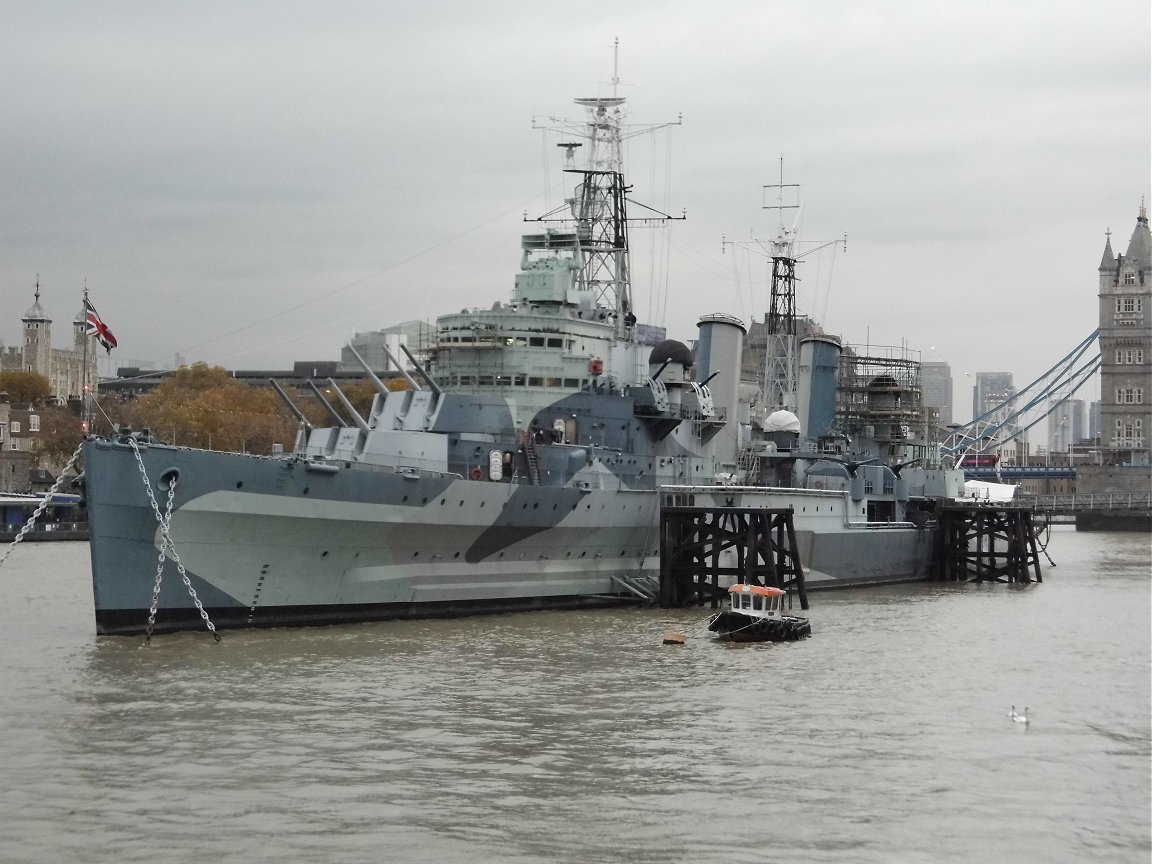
point(879, 398)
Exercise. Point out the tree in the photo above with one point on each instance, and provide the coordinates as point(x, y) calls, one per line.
point(203, 406)
point(61, 430)
point(25, 388)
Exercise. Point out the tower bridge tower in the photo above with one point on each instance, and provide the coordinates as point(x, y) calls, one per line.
point(1126, 349)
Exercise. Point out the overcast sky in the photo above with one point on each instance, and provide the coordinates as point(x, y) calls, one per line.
point(249, 183)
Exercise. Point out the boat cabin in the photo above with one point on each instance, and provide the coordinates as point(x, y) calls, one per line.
point(756, 600)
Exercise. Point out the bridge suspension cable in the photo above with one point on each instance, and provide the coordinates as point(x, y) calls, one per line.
point(1018, 413)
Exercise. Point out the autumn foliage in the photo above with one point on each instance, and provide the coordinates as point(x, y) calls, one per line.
point(204, 406)
point(25, 388)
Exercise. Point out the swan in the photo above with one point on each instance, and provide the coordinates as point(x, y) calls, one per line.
point(1020, 718)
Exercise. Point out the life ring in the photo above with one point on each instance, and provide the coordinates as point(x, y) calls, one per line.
point(477, 473)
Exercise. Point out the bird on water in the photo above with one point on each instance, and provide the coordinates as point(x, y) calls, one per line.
point(1019, 718)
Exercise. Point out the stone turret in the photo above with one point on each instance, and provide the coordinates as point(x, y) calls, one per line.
point(37, 338)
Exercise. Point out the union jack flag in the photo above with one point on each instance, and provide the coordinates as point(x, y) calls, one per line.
point(96, 327)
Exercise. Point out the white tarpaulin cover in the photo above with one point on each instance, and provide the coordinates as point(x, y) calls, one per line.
point(981, 490)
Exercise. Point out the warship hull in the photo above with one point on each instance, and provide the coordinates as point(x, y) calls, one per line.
point(277, 542)
point(522, 462)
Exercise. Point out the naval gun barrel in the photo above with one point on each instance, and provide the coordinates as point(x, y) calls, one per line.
point(352, 412)
point(291, 405)
point(332, 412)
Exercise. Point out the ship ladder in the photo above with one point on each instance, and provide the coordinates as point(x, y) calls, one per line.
point(533, 460)
point(641, 586)
point(748, 464)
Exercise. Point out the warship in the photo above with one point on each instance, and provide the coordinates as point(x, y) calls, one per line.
point(524, 465)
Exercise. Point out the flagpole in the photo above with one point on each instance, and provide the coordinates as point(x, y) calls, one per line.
point(87, 339)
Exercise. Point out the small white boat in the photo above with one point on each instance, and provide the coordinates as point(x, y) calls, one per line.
point(756, 614)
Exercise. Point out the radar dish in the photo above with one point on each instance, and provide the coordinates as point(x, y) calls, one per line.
point(601, 101)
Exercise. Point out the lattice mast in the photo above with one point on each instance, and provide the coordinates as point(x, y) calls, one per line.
point(598, 207)
point(780, 363)
point(781, 354)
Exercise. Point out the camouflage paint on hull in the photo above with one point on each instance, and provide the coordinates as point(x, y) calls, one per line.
point(269, 542)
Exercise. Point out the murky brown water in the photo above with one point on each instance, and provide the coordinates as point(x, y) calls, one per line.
point(580, 737)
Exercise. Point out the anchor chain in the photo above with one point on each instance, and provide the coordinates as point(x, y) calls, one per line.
point(43, 504)
point(167, 550)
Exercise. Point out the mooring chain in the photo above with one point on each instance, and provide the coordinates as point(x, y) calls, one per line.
point(167, 550)
point(43, 504)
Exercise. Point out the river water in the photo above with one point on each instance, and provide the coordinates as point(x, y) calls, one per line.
point(579, 736)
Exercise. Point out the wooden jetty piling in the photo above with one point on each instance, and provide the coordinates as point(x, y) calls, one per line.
point(704, 549)
point(982, 543)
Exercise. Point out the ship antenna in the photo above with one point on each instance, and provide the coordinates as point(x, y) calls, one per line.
point(616, 74)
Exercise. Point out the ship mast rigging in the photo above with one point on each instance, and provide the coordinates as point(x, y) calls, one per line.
point(597, 212)
point(782, 343)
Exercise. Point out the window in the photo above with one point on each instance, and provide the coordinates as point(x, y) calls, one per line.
point(1129, 433)
point(1128, 305)
point(15, 428)
point(1129, 356)
point(33, 422)
point(1129, 278)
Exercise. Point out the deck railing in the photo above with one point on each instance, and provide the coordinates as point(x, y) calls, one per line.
point(1082, 501)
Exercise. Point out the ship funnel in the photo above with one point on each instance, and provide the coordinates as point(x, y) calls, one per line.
point(718, 358)
point(816, 387)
